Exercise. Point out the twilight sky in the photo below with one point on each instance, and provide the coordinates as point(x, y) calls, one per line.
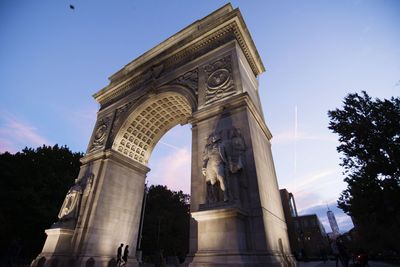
point(52, 59)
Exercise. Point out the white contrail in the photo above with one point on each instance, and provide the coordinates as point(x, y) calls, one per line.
point(169, 145)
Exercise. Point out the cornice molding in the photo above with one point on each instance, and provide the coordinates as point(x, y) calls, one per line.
point(197, 39)
point(242, 100)
point(221, 213)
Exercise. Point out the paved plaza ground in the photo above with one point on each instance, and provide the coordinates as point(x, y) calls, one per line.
point(316, 264)
point(333, 264)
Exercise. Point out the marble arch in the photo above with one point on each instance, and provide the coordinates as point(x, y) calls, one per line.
point(205, 75)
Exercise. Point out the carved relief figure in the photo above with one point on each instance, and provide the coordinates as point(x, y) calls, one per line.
point(223, 162)
point(214, 166)
point(70, 207)
point(70, 202)
point(236, 161)
point(219, 80)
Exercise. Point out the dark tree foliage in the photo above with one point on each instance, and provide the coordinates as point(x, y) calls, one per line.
point(33, 184)
point(166, 222)
point(369, 135)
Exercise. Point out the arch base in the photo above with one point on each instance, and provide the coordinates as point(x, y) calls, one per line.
point(222, 241)
point(63, 260)
point(240, 259)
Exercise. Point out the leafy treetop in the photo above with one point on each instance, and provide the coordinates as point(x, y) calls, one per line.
point(369, 135)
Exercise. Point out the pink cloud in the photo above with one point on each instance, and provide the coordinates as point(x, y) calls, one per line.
point(15, 134)
point(172, 170)
point(316, 188)
point(6, 145)
point(289, 137)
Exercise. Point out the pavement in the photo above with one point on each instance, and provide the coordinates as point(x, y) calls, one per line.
point(312, 264)
point(333, 264)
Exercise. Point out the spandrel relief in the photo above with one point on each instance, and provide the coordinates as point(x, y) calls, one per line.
point(120, 114)
point(236, 163)
point(190, 79)
point(100, 134)
point(219, 80)
point(223, 164)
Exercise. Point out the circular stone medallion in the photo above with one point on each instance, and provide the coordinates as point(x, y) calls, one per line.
point(218, 79)
point(100, 132)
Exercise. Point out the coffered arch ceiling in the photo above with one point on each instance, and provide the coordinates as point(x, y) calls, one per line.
point(145, 126)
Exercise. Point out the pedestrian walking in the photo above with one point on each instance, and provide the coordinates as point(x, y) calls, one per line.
point(343, 253)
point(119, 255)
point(335, 252)
point(125, 256)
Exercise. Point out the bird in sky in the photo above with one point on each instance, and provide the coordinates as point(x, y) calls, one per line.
point(71, 7)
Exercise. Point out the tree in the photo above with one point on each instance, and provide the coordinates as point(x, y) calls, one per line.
point(166, 222)
point(369, 136)
point(33, 184)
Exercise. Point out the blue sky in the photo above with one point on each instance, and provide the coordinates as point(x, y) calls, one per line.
point(52, 59)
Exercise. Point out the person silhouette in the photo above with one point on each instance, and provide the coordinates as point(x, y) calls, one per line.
point(343, 253)
point(119, 254)
point(125, 256)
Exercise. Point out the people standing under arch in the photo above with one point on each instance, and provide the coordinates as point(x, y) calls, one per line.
point(119, 255)
point(125, 256)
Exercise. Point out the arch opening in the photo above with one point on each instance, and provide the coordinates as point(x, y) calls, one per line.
point(170, 161)
point(145, 126)
point(168, 226)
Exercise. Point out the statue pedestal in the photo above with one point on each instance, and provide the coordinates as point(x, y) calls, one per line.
point(221, 237)
point(223, 241)
point(58, 241)
point(56, 249)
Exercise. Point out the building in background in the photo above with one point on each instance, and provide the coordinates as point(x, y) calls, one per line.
point(311, 233)
point(290, 211)
point(307, 236)
point(334, 226)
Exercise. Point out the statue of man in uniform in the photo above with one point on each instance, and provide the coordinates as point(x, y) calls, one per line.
point(214, 165)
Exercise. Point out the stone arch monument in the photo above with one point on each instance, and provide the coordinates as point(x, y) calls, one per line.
point(204, 75)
